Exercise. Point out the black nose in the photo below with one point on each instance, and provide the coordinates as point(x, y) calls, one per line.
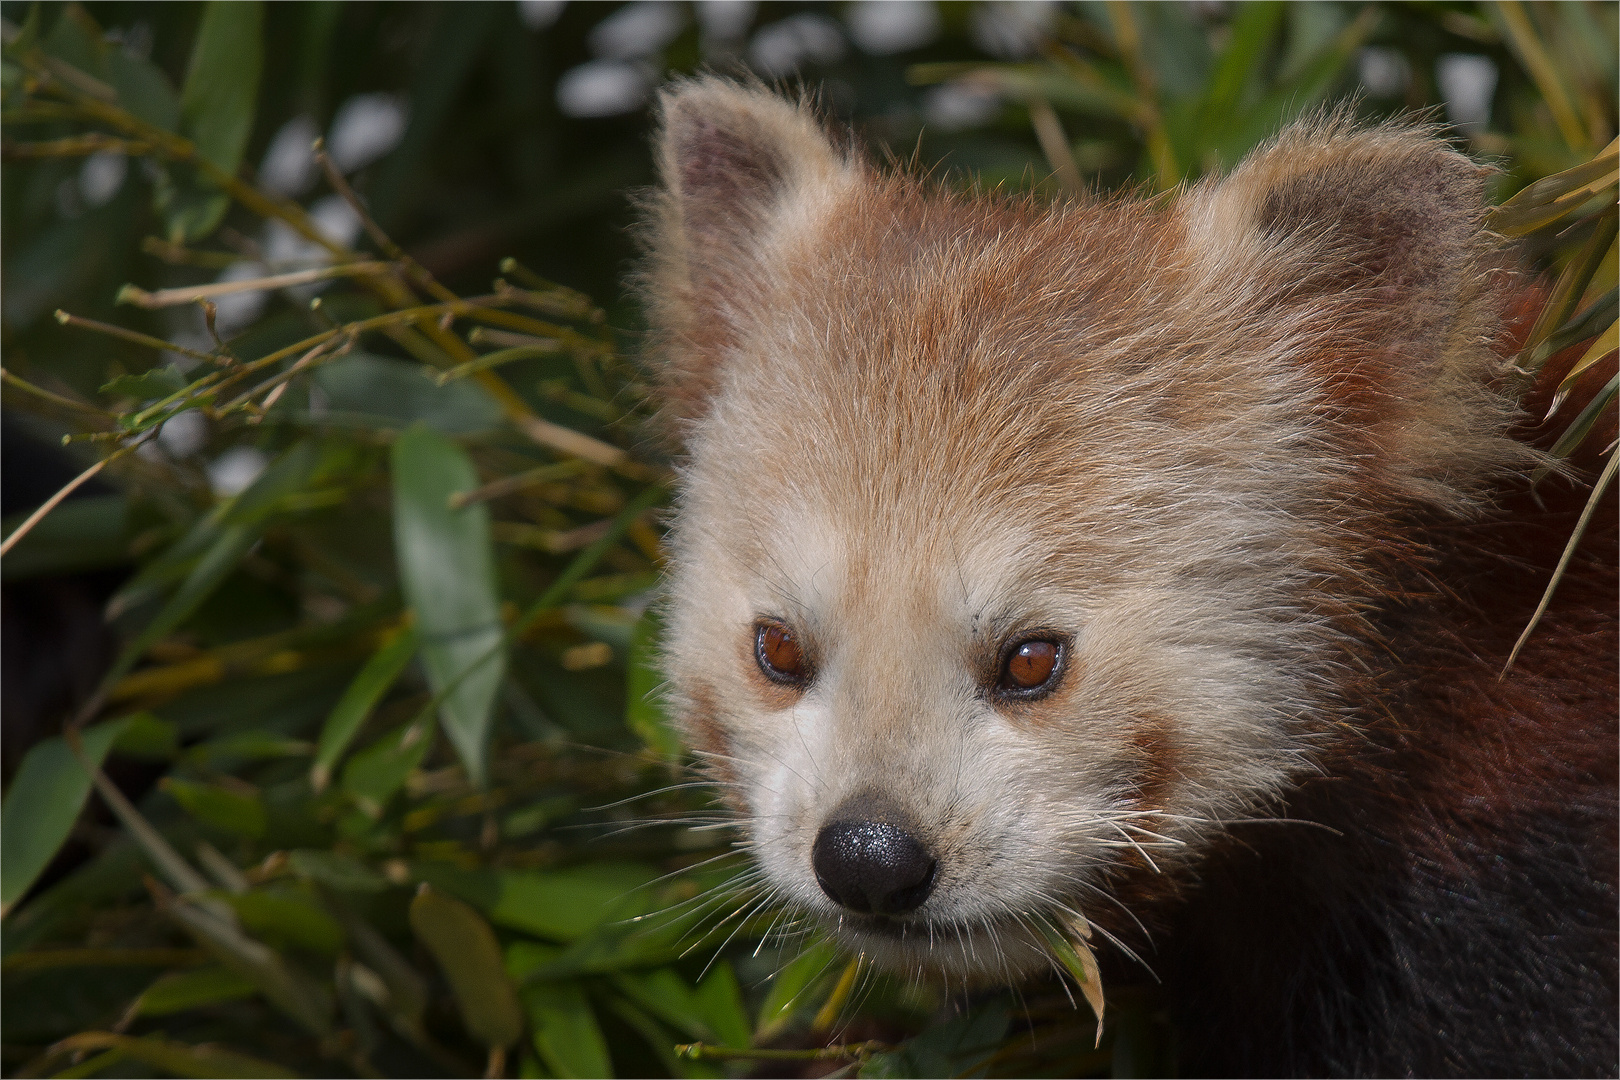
point(873, 867)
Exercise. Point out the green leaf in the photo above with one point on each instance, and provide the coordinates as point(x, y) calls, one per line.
point(667, 996)
point(44, 801)
point(284, 917)
point(143, 89)
point(181, 990)
point(216, 110)
point(368, 391)
point(563, 905)
point(336, 870)
point(960, 1046)
point(447, 571)
point(76, 38)
point(167, 1056)
point(1585, 421)
point(720, 999)
point(147, 735)
point(567, 904)
point(358, 700)
point(375, 773)
point(218, 102)
point(566, 1034)
point(468, 954)
point(158, 382)
point(789, 992)
point(524, 958)
point(295, 994)
point(644, 711)
point(235, 811)
point(217, 544)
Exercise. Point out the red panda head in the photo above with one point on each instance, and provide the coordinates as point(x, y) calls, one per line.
point(1020, 546)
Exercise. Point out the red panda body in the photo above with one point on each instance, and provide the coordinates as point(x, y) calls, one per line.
point(1147, 564)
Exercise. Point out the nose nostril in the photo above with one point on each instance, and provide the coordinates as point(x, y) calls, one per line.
point(872, 867)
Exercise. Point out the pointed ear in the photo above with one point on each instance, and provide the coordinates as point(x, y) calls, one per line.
point(1359, 257)
point(1388, 217)
point(734, 162)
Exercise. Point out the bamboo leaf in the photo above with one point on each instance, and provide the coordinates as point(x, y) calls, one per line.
point(167, 1055)
point(283, 917)
point(208, 554)
point(375, 773)
point(789, 992)
point(468, 954)
point(1606, 343)
point(42, 804)
point(358, 700)
point(1584, 422)
point(223, 807)
point(720, 999)
point(181, 990)
point(447, 570)
point(664, 994)
point(566, 1034)
point(1589, 323)
point(217, 106)
point(1074, 953)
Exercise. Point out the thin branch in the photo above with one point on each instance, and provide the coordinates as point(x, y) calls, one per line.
point(849, 1051)
point(1055, 144)
point(133, 336)
point(1598, 488)
point(190, 294)
point(74, 146)
point(384, 242)
point(52, 503)
point(45, 395)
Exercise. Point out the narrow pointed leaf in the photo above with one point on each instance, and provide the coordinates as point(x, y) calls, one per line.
point(375, 773)
point(447, 570)
point(174, 1058)
point(222, 81)
point(358, 700)
point(42, 804)
point(566, 1033)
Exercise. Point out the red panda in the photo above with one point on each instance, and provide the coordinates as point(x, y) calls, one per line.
point(1148, 561)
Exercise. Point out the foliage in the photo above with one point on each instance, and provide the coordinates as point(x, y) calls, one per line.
point(394, 793)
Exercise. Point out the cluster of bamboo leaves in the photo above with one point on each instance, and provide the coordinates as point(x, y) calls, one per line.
point(417, 809)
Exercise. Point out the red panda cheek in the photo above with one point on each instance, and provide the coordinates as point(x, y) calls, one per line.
point(709, 739)
point(1158, 759)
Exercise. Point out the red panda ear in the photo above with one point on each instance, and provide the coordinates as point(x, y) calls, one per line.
point(1386, 218)
point(1358, 257)
point(732, 161)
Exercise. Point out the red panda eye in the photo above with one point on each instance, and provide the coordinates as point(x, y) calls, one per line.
point(778, 654)
point(1032, 666)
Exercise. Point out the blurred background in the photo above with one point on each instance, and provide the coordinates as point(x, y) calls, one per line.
point(332, 741)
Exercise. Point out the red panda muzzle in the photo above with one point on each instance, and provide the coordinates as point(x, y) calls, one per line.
point(867, 863)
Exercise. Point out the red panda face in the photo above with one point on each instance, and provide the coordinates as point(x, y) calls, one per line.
point(1019, 550)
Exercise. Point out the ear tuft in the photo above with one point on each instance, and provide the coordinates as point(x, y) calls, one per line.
point(1359, 254)
point(733, 161)
point(1389, 207)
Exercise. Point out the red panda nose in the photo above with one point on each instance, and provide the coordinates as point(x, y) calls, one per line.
point(872, 867)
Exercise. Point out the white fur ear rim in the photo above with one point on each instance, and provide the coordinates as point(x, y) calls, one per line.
point(729, 153)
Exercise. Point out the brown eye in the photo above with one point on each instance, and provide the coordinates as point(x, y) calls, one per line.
point(779, 655)
point(1031, 668)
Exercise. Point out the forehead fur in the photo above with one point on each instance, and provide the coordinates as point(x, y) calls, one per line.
point(1339, 275)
